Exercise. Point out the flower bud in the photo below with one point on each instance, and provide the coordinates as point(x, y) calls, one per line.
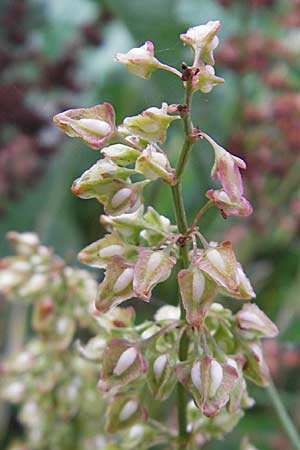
point(93, 350)
point(209, 382)
point(35, 285)
point(152, 267)
point(95, 126)
point(159, 365)
point(206, 79)
point(256, 368)
point(239, 389)
point(216, 427)
point(123, 155)
point(97, 181)
point(220, 265)
point(9, 281)
point(24, 243)
point(159, 222)
point(167, 312)
point(203, 39)
point(99, 253)
point(125, 361)
point(122, 363)
point(254, 322)
point(13, 391)
point(197, 292)
point(63, 332)
point(128, 410)
point(151, 124)
point(127, 197)
point(226, 168)
point(43, 314)
point(140, 61)
point(21, 362)
point(117, 285)
point(229, 207)
point(153, 164)
point(116, 318)
point(161, 376)
point(123, 412)
point(129, 226)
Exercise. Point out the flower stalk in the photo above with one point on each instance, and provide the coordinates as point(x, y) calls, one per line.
point(181, 220)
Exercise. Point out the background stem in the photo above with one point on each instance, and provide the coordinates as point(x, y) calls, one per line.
point(283, 416)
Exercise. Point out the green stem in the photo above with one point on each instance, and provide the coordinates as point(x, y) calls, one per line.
point(201, 212)
point(283, 416)
point(182, 225)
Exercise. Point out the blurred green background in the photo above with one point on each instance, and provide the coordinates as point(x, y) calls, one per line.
point(58, 54)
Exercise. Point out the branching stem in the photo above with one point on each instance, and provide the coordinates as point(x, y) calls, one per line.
point(200, 213)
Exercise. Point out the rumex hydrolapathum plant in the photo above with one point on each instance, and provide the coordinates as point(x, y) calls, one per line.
point(199, 347)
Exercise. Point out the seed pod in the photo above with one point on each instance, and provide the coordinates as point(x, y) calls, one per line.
point(197, 291)
point(152, 267)
point(123, 411)
point(122, 363)
point(95, 126)
point(117, 285)
point(151, 124)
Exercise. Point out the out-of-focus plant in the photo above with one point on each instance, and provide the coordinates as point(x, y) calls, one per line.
point(199, 347)
point(55, 387)
point(266, 131)
point(27, 70)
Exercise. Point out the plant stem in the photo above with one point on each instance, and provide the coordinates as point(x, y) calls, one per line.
point(201, 212)
point(283, 416)
point(182, 225)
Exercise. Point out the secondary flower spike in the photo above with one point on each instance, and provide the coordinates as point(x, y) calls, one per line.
point(226, 168)
point(95, 126)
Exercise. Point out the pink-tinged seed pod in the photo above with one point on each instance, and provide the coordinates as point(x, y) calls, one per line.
point(209, 381)
point(121, 154)
point(153, 164)
point(124, 411)
point(203, 39)
point(95, 126)
point(140, 60)
point(101, 180)
point(99, 253)
point(151, 124)
point(252, 320)
point(256, 368)
point(197, 291)
point(151, 268)
point(122, 363)
point(219, 263)
point(161, 377)
point(117, 285)
point(230, 198)
point(206, 79)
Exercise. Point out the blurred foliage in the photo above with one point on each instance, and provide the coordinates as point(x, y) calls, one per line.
point(59, 54)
